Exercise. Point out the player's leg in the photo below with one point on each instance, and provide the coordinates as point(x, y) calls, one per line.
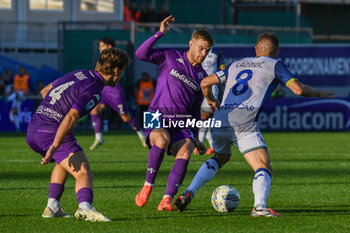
point(132, 121)
point(210, 141)
point(223, 148)
point(159, 140)
point(78, 166)
point(252, 145)
point(182, 150)
point(56, 188)
point(205, 114)
point(260, 162)
point(97, 125)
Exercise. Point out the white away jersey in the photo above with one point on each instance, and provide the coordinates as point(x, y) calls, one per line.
point(249, 83)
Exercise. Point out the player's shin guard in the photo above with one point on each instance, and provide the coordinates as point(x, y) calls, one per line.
point(155, 158)
point(96, 123)
point(176, 177)
point(85, 197)
point(261, 187)
point(205, 173)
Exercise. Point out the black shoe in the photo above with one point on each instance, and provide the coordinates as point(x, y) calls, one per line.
point(183, 201)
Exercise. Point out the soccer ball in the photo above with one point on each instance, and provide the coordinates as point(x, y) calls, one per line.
point(225, 198)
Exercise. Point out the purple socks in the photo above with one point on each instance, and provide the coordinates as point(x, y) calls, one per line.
point(56, 190)
point(96, 123)
point(155, 158)
point(176, 176)
point(85, 195)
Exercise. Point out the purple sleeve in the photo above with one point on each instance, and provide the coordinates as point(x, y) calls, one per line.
point(145, 51)
point(85, 103)
point(87, 100)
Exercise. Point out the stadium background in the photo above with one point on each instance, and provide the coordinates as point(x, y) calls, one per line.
point(53, 37)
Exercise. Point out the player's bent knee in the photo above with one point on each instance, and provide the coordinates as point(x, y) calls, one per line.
point(222, 158)
point(162, 142)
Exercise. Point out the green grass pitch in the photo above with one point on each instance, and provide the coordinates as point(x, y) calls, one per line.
point(310, 188)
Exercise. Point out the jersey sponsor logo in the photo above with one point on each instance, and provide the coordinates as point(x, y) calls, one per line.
point(180, 60)
point(50, 113)
point(185, 79)
point(241, 106)
point(90, 105)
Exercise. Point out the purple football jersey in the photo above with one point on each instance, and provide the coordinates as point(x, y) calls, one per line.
point(178, 91)
point(80, 90)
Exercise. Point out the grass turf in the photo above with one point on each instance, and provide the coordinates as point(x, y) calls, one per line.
point(310, 188)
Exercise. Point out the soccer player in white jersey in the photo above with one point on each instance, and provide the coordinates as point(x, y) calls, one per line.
point(248, 84)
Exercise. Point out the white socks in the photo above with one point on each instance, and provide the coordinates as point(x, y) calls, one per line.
point(205, 173)
point(98, 136)
point(53, 204)
point(261, 187)
point(85, 205)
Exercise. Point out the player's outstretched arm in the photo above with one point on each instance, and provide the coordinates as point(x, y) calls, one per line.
point(65, 127)
point(144, 51)
point(206, 85)
point(307, 91)
point(46, 90)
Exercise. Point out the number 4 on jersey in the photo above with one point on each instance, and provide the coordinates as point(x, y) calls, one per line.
point(55, 94)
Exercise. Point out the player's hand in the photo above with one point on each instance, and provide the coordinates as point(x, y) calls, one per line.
point(165, 24)
point(49, 154)
point(214, 105)
point(325, 94)
point(200, 146)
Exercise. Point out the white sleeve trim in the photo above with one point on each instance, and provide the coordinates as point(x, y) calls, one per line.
point(221, 76)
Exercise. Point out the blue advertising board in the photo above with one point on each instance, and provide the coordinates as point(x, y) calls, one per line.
point(305, 114)
point(26, 113)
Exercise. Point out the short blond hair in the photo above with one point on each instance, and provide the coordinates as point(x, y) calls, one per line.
point(204, 35)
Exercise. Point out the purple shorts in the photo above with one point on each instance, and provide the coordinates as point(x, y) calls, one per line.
point(175, 135)
point(115, 98)
point(41, 141)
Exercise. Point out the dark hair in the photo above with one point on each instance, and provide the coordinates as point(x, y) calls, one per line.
point(203, 34)
point(108, 41)
point(110, 59)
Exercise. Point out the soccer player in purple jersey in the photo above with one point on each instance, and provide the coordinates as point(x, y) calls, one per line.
point(177, 94)
point(50, 130)
point(115, 98)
